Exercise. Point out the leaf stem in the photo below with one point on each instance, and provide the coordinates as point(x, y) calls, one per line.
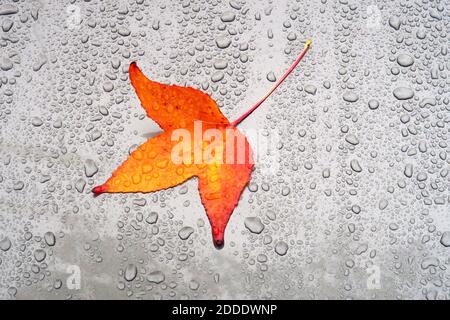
point(288, 71)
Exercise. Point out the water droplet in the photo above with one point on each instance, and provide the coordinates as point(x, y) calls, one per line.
point(152, 217)
point(408, 170)
point(39, 255)
point(217, 76)
point(7, 24)
point(354, 164)
point(403, 93)
point(194, 285)
point(373, 104)
point(123, 31)
point(223, 42)
point(130, 272)
point(220, 64)
point(7, 9)
point(352, 139)
point(311, 89)
point(6, 64)
point(156, 277)
point(350, 96)
point(271, 77)
point(50, 238)
point(285, 191)
point(254, 224)
point(382, 204)
point(108, 86)
point(405, 60)
point(445, 239)
point(5, 244)
point(227, 16)
point(90, 168)
point(281, 248)
point(394, 22)
point(185, 232)
point(252, 187)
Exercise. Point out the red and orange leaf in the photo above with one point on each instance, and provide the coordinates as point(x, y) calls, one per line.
point(173, 106)
point(151, 167)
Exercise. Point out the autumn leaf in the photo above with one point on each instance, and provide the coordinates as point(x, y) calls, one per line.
point(198, 140)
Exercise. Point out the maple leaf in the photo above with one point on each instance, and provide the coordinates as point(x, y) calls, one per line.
point(184, 112)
